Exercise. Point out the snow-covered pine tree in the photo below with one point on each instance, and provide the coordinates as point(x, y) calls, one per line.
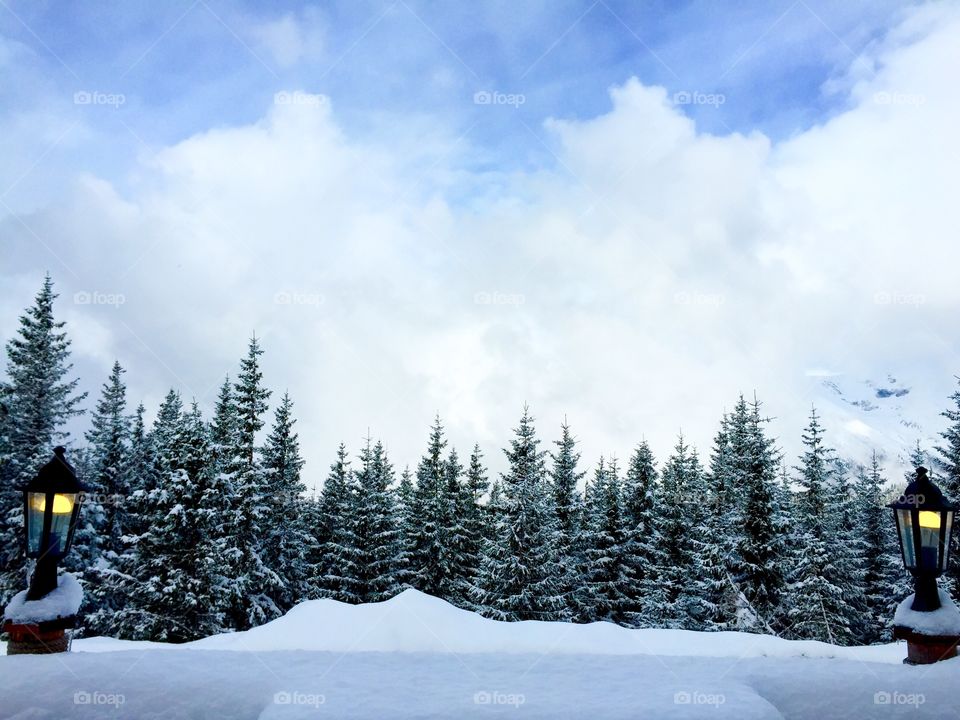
point(849, 547)
point(641, 517)
point(884, 580)
point(608, 570)
point(426, 546)
point(681, 514)
point(171, 578)
point(375, 538)
point(564, 479)
point(717, 544)
point(109, 449)
point(460, 553)
point(38, 399)
point(336, 567)
point(288, 546)
point(406, 521)
point(520, 578)
point(818, 609)
point(760, 558)
point(255, 583)
point(476, 520)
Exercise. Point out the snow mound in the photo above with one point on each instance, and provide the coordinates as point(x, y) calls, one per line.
point(945, 620)
point(415, 622)
point(62, 602)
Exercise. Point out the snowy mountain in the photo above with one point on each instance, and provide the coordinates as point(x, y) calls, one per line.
point(890, 415)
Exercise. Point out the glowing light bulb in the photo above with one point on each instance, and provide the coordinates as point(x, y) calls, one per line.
point(929, 519)
point(62, 504)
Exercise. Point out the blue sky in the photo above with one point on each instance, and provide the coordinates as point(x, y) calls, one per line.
point(186, 66)
point(661, 205)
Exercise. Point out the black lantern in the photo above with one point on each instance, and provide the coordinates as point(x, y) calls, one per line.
point(924, 524)
point(51, 508)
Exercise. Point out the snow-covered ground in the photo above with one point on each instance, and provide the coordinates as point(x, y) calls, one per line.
point(417, 656)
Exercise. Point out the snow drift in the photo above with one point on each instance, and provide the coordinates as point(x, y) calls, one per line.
point(416, 622)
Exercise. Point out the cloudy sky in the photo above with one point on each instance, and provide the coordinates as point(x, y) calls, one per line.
point(625, 213)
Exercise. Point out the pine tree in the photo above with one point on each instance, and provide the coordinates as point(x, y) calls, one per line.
point(608, 549)
point(109, 449)
point(641, 518)
point(520, 577)
point(337, 568)
point(425, 544)
point(38, 399)
point(884, 581)
point(475, 522)
point(288, 545)
point(255, 582)
point(760, 572)
point(375, 536)
point(460, 547)
point(682, 488)
point(949, 452)
point(818, 607)
point(564, 479)
point(171, 576)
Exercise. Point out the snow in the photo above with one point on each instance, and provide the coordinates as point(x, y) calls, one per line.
point(62, 602)
point(945, 620)
point(417, 656)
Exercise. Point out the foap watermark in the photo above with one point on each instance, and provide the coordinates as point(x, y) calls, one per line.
point(293, 697)
point(498, 298)
point(494, 97)
point(695, 697)
point(899, 98)
point(296, 97)
point(285, 297)
point(496, 697)
point(84, 697)
point(885, 297)
point(103, 499)
point(95, 97)
point(696, 97)
point(899, 698)
point(95, 297)
point(699, 299)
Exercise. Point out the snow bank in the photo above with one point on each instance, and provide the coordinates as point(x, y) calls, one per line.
point(416, 622)
point(945, 620)
point(62, 602)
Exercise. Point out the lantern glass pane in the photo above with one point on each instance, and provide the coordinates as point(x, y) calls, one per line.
point(60, 524)
point(905, 524)
point(35, 505)
point(948, 522)
point(930, 539)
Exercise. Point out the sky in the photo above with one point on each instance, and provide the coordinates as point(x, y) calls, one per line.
point(623, 214)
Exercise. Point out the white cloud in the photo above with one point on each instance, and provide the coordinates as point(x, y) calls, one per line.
point(661, 270)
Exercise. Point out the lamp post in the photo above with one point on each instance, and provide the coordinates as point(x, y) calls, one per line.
point(35, 618)
point(924, 520)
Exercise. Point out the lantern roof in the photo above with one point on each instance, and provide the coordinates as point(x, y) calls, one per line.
point(57, 476)
point(922, 494)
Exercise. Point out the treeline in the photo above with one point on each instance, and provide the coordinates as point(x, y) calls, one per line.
point(199, 525)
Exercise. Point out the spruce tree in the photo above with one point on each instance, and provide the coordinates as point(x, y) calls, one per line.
point(564, 479)
point(426, 544)
point(375, 539)
point(608, 550)
point(642, 520)
point(255, 583)
point(949, 452)
point(337, 567)
point(109, 449)
point(520, 577)
point(884, 580)
point(288, 545)
point(38, 399)
point(460, 547)
point(760, 571)
point(819, 609)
